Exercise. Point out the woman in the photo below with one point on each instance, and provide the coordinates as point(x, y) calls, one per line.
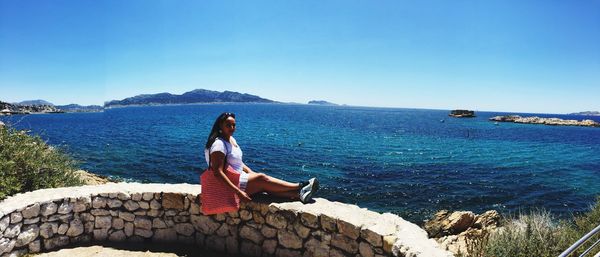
point(221, 149)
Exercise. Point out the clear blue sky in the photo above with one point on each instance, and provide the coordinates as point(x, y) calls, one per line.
point(529, 56)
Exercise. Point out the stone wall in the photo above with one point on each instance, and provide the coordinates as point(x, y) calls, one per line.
point(53, 218)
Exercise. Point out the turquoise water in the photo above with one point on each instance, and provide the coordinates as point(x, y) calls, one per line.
point(401, 160)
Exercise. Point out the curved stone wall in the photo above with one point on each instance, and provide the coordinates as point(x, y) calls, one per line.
point(53, 218)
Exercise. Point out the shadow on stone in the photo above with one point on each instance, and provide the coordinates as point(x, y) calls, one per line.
point(158, 248)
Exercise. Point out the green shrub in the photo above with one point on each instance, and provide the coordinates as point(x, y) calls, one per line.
point(537, 234)
point(27, 163)
point(582, 225)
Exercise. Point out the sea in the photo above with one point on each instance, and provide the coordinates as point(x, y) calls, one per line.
point(411, 162)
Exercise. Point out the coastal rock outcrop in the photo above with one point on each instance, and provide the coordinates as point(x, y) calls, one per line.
point(454, 230)
point(545, 121)
point(49, 219)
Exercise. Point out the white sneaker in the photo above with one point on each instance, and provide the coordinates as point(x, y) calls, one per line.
point(307, 191)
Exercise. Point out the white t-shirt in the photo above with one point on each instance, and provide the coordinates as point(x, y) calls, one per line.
point(234, 153)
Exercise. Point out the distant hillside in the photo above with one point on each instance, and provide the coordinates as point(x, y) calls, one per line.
point(35, 102)
point(588, 113)
point(80, 108)
point(320, 102)
point(194, 96)
point(9, 109)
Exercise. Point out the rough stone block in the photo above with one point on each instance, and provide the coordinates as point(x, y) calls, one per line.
point(12, 231)
point(103, 222)
point(345, 243)
point(27, 235)
point(100, 234)
point(55, 242)
point(276, 220)
point(144, 205)
point(48, 209)
point(118, 223)
point(35, 246)
point(6, 245)
point(136, 196)
point(301, 230)
point(145, 233)
point(328, 223)
point(47, 230)
point(142, 223)
point(82, 204)
point(128, 229)
point(223, 231)
point(114, 203)
point(288, 239)
point(348, 229)
point(100, 212)
point(309, 219)
point(365, 249)
point(131, 205)
point(16, 217)
point(127, 216)
point(62, 229)
point(31, 221)
point(251, 234)
point(4, 222)
point(65, 208)
point(204, 224)
point(173, 201)
point(31, 211)
point(268, 232)
point(75, 228)
point(117, 236)
point(147, 196)
point(185, 229)
point(158, 223)
point(165, 235)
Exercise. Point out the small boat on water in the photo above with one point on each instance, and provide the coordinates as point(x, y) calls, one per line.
point(462, 114)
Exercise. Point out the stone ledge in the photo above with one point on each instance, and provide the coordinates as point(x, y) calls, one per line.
point(132, 212)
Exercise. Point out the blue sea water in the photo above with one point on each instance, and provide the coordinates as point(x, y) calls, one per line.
point(405, 161)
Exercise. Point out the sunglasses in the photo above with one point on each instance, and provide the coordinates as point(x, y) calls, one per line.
point(228, 114)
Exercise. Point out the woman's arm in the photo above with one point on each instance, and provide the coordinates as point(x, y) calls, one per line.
point(246, 169)
point(217, 165)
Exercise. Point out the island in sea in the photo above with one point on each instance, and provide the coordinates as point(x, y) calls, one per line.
point(587, 113)
point(321, 102)
point(545, 121)
point(191, 97)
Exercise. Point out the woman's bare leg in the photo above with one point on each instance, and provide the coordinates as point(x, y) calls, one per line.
point(259, 182)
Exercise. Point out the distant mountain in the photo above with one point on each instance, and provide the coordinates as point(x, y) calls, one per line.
point(320, 102)
point(588, 113)
point(9, 109)
point(194, 96)
point(35, 102)
point(80, 108)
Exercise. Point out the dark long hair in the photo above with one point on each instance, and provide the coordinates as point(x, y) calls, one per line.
point(216, 128)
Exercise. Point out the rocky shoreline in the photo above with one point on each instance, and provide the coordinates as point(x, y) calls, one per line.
point(545, 121)
point(461, 232)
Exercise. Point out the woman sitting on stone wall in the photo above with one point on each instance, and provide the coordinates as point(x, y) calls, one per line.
point(228, 179)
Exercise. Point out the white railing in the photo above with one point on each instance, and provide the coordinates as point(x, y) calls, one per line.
point(581, 241)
